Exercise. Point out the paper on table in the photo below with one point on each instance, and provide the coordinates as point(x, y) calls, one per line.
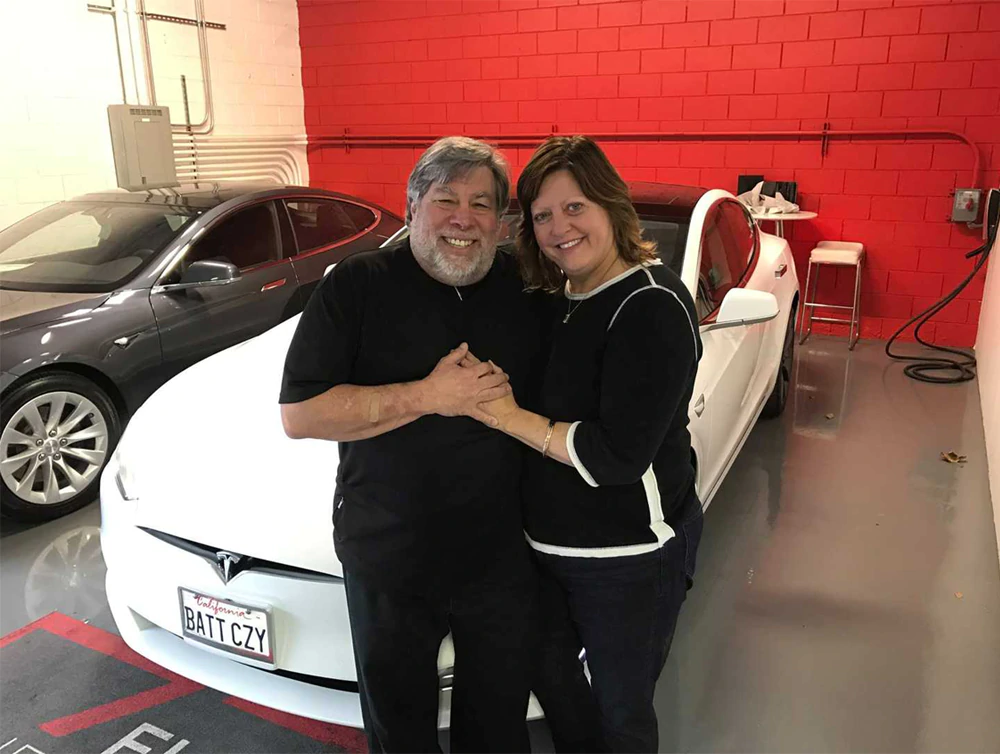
point(767, 205)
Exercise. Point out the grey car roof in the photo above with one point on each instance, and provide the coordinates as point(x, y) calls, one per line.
point(204, 195)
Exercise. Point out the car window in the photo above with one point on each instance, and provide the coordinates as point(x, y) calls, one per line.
point(361, 217)
point(246, 238)
point(509, 224)
point(670, 237)
point(288, 247)
point(727, 256)
point(319, 222)
point(86, 246)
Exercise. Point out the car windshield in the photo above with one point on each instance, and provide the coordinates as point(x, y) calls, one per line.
point(86, 246)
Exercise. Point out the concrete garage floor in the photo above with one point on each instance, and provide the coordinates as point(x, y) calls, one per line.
point(848, 587)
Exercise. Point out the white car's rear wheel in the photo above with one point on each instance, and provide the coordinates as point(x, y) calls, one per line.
point(776, 402)
point(56, 434)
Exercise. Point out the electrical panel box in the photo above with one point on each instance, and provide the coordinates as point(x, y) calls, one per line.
point(143, 146)
point(965, 208)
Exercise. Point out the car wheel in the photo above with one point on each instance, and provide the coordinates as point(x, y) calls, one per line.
point(776, 401)
point(56, 434)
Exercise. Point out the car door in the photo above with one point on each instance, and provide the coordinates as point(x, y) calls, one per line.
point(326, 230)
point(197, 322)
point(728, 254)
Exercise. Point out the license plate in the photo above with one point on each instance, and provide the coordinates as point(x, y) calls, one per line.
point(227, 625)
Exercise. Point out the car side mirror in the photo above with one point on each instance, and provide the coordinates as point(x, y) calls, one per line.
point(742, 306)
point(210, 272)
point(205, 273)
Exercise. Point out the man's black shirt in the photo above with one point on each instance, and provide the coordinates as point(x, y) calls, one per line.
point(431, 503)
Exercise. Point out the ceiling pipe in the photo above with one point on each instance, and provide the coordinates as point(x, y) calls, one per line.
point(522, 140)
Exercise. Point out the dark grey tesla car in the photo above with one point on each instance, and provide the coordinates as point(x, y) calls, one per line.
point(105, 297)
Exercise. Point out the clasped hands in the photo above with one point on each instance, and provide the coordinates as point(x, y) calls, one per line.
point(463, 385)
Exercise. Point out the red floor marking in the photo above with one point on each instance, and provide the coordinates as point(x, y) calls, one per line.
point(24, 630)
point(349, 739)
point(106, 643)
point(113, 646)
point(119, 708)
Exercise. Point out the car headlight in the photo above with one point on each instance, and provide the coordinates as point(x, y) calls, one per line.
point(124, 476)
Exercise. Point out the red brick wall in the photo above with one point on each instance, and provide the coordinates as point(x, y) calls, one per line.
point(516, 66)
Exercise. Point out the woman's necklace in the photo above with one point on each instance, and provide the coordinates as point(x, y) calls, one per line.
point(570, 308)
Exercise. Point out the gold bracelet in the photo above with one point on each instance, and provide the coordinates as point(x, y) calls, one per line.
point(548, 438)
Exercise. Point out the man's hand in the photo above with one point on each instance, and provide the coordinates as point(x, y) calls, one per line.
point(455, 390)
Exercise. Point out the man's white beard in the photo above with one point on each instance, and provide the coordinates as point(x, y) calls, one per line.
point(449, 270)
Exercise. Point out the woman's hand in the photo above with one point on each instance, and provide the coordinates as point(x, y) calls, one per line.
point(456, 388)
point(500, 409)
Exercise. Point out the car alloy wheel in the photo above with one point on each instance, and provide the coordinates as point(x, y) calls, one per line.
point(53, 447)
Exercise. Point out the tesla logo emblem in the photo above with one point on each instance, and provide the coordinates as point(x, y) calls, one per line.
point(229, 565)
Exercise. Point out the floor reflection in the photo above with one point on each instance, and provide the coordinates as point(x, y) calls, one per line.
point(68, 576)
point(55, 566)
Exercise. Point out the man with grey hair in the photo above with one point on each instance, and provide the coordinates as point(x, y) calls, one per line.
point(427, 508)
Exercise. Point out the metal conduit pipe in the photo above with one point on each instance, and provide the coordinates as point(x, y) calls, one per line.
point(186, 147)
point(242, 155)
point(521, 140)
point(234, 165)
point(260, 152)
point(201, 173)
point(283, 140)
point(284, 161)
point(237, 175)
point(254, 170)
point(236, 162)
point(207, 124)
point(215, 161)
point(199, 150)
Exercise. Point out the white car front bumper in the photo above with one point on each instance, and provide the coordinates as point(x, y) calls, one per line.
point(311, 630)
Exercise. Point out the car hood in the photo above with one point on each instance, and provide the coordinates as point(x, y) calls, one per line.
point(22, 309)
point(211, 462)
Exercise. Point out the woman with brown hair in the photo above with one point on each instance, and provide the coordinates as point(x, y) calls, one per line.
point(610, 506)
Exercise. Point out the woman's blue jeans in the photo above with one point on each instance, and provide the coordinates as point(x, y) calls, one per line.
point(623, 611)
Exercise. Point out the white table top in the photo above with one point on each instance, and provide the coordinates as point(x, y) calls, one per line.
point(784, 216)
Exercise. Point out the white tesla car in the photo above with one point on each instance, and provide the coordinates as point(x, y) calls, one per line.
point(216, 528)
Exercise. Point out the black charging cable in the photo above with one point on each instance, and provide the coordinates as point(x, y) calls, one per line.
point(943, 370)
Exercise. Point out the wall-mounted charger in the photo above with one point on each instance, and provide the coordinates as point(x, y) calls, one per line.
point(991, 213)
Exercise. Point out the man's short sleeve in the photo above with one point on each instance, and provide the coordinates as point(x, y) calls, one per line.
point(324, 347)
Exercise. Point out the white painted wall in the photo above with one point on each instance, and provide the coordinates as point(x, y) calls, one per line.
point(60, 71)
point(988, 357)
